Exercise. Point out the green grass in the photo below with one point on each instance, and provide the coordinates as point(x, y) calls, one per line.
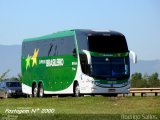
point(83, 107)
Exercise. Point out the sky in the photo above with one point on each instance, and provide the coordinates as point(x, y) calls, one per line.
point(138, 20)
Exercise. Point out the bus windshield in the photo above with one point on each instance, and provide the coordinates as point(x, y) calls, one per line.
point(112, 67)
point(107, 44)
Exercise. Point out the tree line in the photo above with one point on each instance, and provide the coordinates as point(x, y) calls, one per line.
point(4, 76)
point(144, 81)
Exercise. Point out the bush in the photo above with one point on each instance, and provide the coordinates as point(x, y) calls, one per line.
point(139, 81)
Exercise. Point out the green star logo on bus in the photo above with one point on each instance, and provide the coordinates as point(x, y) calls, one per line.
point(34, 57)
point(28, 59)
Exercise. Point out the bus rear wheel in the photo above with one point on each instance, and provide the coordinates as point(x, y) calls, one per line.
point(76, 90)
point(34, 91)
point(40, 90)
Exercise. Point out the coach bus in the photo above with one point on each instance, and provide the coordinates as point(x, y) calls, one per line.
point(76, 62)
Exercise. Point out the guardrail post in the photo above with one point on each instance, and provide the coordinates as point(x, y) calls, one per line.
point(141, 94)
point(133, 94)
point(156, 93)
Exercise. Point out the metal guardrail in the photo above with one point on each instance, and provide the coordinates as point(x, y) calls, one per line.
point(143, 91)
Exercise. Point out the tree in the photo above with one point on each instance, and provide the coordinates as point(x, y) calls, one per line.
point(153, 80)
point(19, 77)
point(139, 81)
point(4, 75)
point(136, 80)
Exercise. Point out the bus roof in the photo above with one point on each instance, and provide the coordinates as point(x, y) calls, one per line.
point(53, 35)
point(67, 33)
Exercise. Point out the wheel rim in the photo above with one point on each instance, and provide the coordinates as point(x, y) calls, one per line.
point(35, 92)
point(77, 91)
point(41, 92)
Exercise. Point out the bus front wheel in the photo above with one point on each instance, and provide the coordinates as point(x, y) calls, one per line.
point(76, 90)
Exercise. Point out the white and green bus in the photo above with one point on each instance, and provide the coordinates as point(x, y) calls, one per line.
point(76, 62)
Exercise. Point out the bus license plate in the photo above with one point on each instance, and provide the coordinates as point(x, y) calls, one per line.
point(111, 90)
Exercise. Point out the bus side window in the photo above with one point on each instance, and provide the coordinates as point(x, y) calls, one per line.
point(50, 49)
point(55, 50)
point(43, 47)
point(58, 46)
point(84, 64)
point(74, 52)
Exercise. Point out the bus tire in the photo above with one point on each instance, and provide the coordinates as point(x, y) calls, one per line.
point(34, 90)
point(76, 90)
point(40, 90)
point(115, 95)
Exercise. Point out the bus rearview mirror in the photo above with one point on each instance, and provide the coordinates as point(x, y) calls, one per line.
point(134, 56)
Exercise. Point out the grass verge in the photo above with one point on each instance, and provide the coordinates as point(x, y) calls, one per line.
point(97, 107)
